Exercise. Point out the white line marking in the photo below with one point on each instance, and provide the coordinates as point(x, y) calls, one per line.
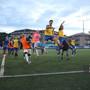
point(41, 74)
point(2, 67)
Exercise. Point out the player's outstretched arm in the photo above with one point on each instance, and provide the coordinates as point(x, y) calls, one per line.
point(62, 23)
point(68, 44)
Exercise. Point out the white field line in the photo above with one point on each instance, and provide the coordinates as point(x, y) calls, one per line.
point(2, 67)
point(41, 74)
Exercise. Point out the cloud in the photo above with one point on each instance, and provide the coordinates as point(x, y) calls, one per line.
point(18, 14)
point(7, 29)
point(74, 21)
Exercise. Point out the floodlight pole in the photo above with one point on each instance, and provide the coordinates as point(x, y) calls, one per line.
point(83, 34)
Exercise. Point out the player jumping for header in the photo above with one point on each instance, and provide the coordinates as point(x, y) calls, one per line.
point(61, 35)
point(49, 33)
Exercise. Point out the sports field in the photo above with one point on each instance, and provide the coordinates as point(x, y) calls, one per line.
point(47, 63)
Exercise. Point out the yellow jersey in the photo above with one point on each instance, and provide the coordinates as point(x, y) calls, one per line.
point(49, 32)
point(16, 43)
point(32, 40)
point(73, 42)
point(60, 33)
point(56, 43)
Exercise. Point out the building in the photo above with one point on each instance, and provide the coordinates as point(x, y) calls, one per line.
point(27, 32)
point(82, 39)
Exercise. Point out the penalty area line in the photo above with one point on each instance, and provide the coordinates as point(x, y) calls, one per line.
point(41, 74)
point(2, 67)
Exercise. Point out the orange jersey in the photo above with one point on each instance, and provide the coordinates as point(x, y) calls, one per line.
point(2, 43)
point(11, 44)
point(25, 43)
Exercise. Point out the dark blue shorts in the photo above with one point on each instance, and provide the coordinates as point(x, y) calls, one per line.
point(46, 38)
point(41, 48)
point(5, 48)
point(66, 50)
point(61, 39)
point(33, 45)
point(73, 46)
point(57, 48)
point(11, 49)
point(8, 48)
point(15, 49)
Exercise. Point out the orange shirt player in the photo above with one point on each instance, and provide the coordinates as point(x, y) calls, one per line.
point(25, 43)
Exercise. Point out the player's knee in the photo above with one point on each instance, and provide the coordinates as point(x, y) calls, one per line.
point(29, 54)
point(25, 53)
point(54, 39)
point(45, 42)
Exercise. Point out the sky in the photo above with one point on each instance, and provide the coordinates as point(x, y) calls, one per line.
point(35, 14)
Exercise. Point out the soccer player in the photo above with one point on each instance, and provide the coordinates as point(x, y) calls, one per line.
point(5, 46)
point(36, 42)
point(11, 47)
point(65, 47)
point(49, 33)
point(61, 35)
point(57, 48)
point(32, 42)
point(42, 48)
point(73, 46)
point(16, 46)
point(26, 47)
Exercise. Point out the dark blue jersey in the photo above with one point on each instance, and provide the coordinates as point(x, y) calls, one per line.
point(65, 45)
point(6, 41)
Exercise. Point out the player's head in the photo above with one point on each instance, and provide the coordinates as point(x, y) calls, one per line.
point(61, 27)
point(50, 22)
point(41, 40)
point(73, 37)
point(55, 36)
point(65, 36)
point(37, 31)
point(6, 37)
point(23, 35)
point(12, 39)
point(32, 33)
point(16, 37)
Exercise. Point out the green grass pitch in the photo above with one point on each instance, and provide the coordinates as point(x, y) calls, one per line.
point(47, 63)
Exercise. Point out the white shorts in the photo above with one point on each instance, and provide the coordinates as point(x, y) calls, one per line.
point(27, 51)
point(36, 44)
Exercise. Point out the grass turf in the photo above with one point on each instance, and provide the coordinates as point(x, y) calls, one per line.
point(47, 63)
point(1, 53)
point(54, 82)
